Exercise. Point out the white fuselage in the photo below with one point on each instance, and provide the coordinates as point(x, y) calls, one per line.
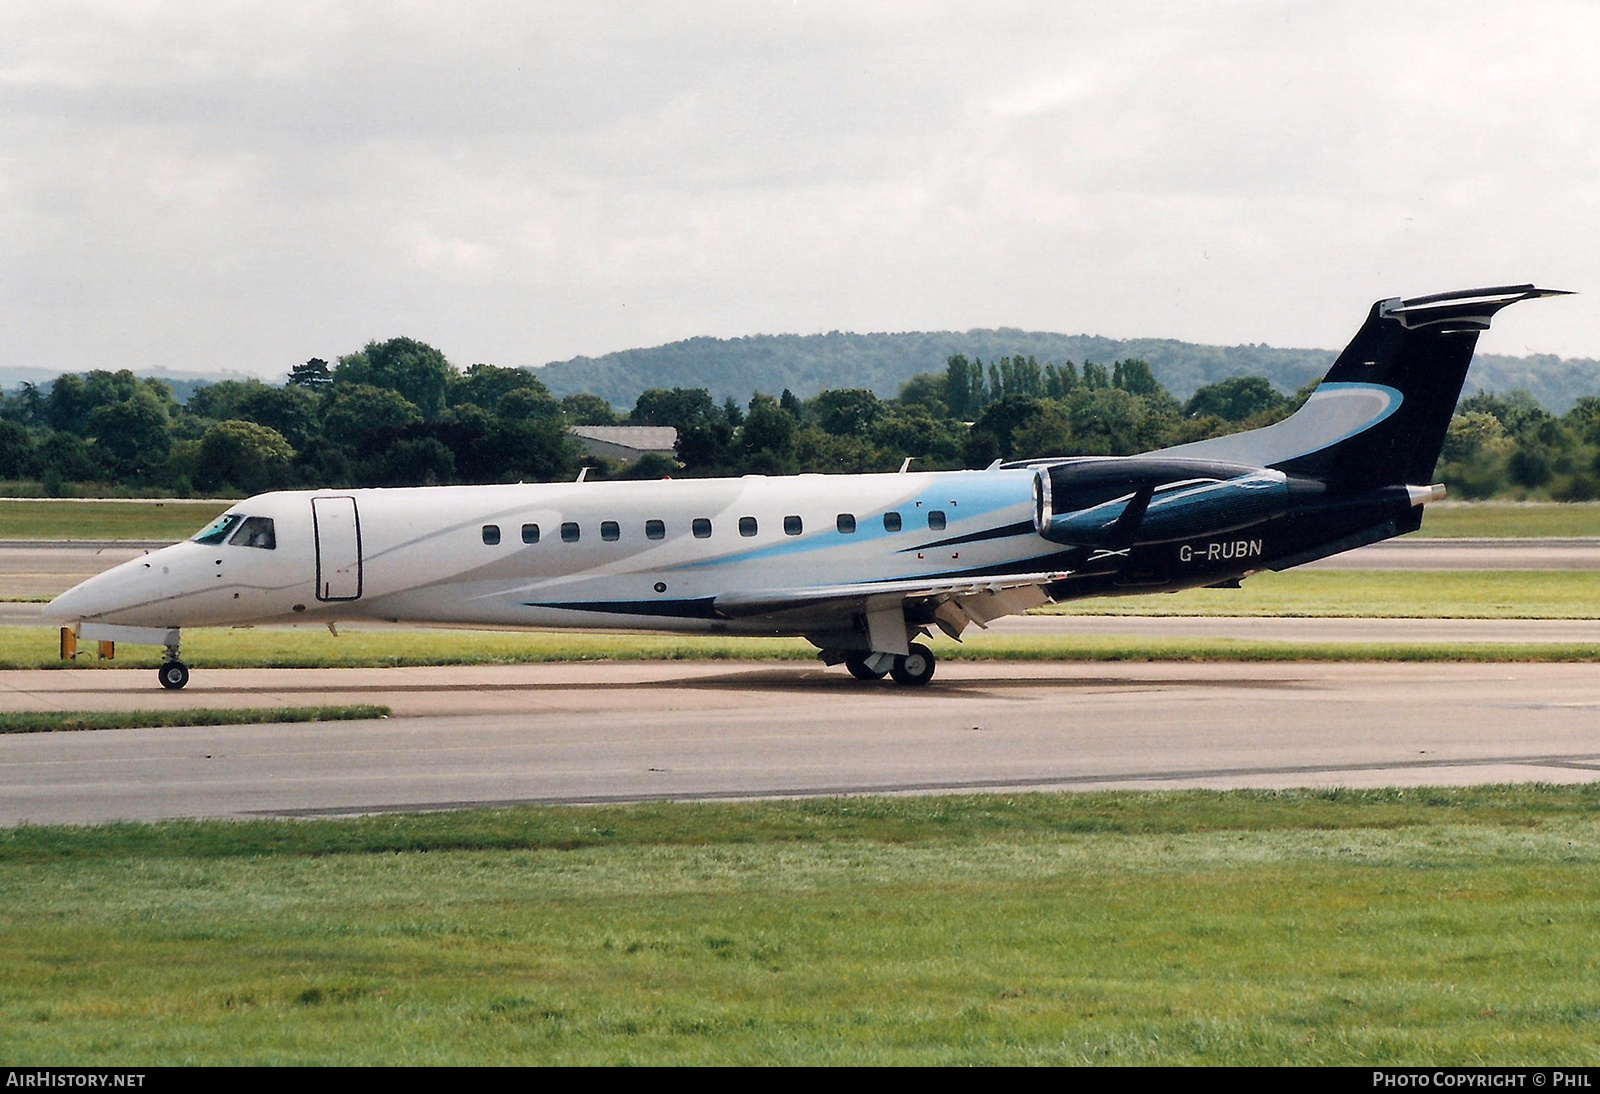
point(458, 555)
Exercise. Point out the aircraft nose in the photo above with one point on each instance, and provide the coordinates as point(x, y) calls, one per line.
point(85, 600)
point(119, 589)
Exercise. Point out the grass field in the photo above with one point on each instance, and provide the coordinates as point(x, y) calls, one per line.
point(1510, 519)
point(139, 520)
point(35, 648)
point(1383, 927)
point(1370, 594)
point(1377, 594)
point(63, 721)
point(1549, 594)
point(172, 519)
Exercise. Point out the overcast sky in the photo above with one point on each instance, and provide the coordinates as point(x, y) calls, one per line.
point(210, 184)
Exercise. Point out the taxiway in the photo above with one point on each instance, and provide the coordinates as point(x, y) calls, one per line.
point(33, 568)
point(584, 733)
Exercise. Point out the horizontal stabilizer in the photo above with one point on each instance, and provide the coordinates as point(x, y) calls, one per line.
point(1464, 309)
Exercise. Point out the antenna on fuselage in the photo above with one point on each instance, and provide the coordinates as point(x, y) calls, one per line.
point(995, 466)
point(582, 471)
point(907, 465)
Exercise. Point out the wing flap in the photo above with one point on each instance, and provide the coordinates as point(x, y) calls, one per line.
point(734, 605)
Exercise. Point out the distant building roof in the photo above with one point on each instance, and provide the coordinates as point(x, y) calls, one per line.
point(626, 442)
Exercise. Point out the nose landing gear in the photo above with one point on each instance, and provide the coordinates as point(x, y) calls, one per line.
point(173, 673)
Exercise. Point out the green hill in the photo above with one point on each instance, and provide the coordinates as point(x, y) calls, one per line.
point(807, 364)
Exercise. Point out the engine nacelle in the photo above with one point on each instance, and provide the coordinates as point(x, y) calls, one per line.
point(1078, 502)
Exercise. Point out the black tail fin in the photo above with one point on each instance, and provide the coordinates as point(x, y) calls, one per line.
point(1379, 417)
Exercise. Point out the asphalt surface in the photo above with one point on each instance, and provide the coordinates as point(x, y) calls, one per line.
point(33, 568)
point(631, 732)
point(638, 732)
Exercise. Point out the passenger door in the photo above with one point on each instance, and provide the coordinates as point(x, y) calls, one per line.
point(337, 528)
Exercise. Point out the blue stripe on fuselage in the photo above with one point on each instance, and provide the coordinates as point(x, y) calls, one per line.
point(973, 501)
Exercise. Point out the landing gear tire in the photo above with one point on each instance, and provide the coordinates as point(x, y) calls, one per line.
point(857, 664)
point(914, 669)
point(173, 675)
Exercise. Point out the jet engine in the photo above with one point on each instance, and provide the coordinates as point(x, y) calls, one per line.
point(1101, 502)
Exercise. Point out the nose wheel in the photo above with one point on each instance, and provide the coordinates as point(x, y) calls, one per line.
point(173, 675)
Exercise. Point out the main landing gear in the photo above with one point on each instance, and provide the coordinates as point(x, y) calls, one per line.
point(915, 668)
point(864, 666)
point(173, 673)
point(912, 670)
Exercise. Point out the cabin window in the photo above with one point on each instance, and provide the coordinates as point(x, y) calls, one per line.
point(491, 534)
point(218, 530)
point(530, 533)
point(609, 531)
point(846, 523)
point(701, 527)
point(569, 532)
point(936, 520)
point(891, 522)
point(655, 529)
point(256, 532)
point(747, 526)
point(793, 526)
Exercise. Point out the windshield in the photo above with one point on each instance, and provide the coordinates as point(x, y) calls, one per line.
point(218, 530)
point(255, 532)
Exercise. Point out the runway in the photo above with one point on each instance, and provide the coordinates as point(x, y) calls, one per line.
point(31, 568)
point(631, 732)
point(585, 733)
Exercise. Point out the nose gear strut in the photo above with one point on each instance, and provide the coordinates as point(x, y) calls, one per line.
point(173, 673)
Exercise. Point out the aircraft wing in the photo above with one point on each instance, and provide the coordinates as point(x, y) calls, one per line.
point(950, 603)
point(761, 603)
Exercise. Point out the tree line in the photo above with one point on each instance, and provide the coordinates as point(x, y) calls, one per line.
point(883, 362)
point(398, 413)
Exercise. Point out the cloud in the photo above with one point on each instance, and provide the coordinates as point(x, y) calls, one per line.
point(249, 184)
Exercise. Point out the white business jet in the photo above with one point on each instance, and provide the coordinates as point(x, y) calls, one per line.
point(861, 565)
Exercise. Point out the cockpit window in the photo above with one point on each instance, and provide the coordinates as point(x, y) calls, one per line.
point(255, 532)
point(218, 530)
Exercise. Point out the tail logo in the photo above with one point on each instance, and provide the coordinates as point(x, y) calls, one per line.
point(1335, 412)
